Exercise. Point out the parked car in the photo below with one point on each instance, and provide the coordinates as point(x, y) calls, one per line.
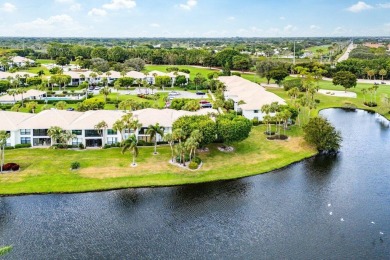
point(97, 88)
point(200, 93)
point(204, 102)
point(70, 109)
point(90, 88)
point(206, 105)
point(384, 83)
point(376, 83)
point(173, 93)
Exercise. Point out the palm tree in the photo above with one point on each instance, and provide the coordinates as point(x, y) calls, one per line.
point(55, 133)
point(130, 145)
point(102, 125)
point(152, 131)
point(181, 151)
point(13, 92)
point(105, 91)
point(139, 82)
point(178, 135)
point(191, 144)
point(21, 91)
point(169, 138)
point(3, 142)
point(364, 91)
point(67, 136)
point(119, 126)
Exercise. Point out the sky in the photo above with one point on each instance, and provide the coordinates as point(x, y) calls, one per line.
point(194, 18)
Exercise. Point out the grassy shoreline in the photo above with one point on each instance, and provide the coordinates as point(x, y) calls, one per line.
point(102, 170)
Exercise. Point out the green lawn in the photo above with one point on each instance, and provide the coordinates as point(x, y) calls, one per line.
point(42, 172)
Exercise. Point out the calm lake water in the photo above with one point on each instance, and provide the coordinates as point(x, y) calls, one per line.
point(321, 208)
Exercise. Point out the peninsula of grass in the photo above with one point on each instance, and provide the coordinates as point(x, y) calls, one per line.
point(48, 171)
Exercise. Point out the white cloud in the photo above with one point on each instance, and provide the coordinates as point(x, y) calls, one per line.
point(359, 7)
point(119, 4)
point(384, 5)
point(97, 12)
point(339, 31)
point(289, 28)
point(65, 1)
point(75, 7)
point(56, 26)
point(8, 7)
point(155, 25)
point(189, 5)
point(282, 18)
point(231, 18)
point(314, 27)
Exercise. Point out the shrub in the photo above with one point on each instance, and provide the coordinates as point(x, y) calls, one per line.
point(81, 146)
point(317, 101)
point(236, 74)
point(22, 146)
point(255, 121)
point(277, 137)
point(75, 165)
point(371, 104)
point(186, 158)
point(11, 167)
point(197, 160)
point(193, 165)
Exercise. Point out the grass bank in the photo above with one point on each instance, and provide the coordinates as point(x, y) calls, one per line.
point(48, 171)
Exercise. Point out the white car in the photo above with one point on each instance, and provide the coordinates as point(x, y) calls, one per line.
point(173, 93)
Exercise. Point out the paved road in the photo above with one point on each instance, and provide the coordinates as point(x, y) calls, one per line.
point(345, 56)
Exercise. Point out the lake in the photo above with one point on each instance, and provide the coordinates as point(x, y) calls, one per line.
point(320, 208)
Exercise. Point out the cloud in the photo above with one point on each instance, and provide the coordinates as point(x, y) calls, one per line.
point(282, 18)
point(339, 31)
point(55, 26)
point(73, 5)
point(231, 18)
point(120, 4)
point(314, 27)
point(189, 5)
point(289, 28)
point(8, 7)
point(97, 12)
point(384, 5)
point(155, 25)
point(359, 7)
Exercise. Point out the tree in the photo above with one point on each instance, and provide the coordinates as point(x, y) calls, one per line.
point(231, 128)
point(162, 81)
point(136, 63)
point(105, 91)
point(242, 63)
point(364, 92)
point(55, 133)
point(320, 133)
point(153, 131)
point(382, 73)
point(345, 79)
point(278, 75)
point(199, 80)
point(66, 136)
point(62, 61)
point(100, 127)
point(61, 105)
point(31, 106)
point(263, 69)
point(119, 126)
point(3, 142)
point(168, 137)
point(130, 145)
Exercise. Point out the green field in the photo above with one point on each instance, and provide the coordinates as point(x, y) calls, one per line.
point(42, 172)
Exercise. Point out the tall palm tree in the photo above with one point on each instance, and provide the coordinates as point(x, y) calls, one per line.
point(169, 138)
point(178, 135)
point(119, 126)
point(382, 73)
point(130, 145)
point(153, 131)
point(191, 145)
point(181, 151)
point(21, 91)
point(100, 127)
point(3, 142)
point(55, 133)
point(67, 136)
point(364, 91)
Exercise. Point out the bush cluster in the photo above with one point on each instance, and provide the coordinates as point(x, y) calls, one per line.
point(193, 165)
point(75, 165)
point(11, 167)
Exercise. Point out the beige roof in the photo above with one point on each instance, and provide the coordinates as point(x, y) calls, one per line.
point(19, 59)
point(9, 121)
point(178, 73)
point(31, 93)
point(158, 73)
point(165, 117)
point(113, 74)
point(135, 75)
point(5, 75)
point(89, 119)
point(49, 118)
point(252, 94)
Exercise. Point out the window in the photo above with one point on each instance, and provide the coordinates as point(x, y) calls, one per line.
point(111, 132)
point(39, 132)
point(25, 140)
point(92, 133)
point(77, 132)
point(256, 111)
point(77, 141)
point(112, 140)
point(129, 131)
point(25, 131)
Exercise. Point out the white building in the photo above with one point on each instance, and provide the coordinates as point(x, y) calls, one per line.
point(248, 96)
point(21, 61)
point(31, 94)
point(32, 129)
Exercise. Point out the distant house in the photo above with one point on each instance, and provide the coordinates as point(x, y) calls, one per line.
point(248, 96)
point(19, 61)
point(31, 94)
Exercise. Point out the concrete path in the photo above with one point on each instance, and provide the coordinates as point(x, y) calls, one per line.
point(337, 93)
